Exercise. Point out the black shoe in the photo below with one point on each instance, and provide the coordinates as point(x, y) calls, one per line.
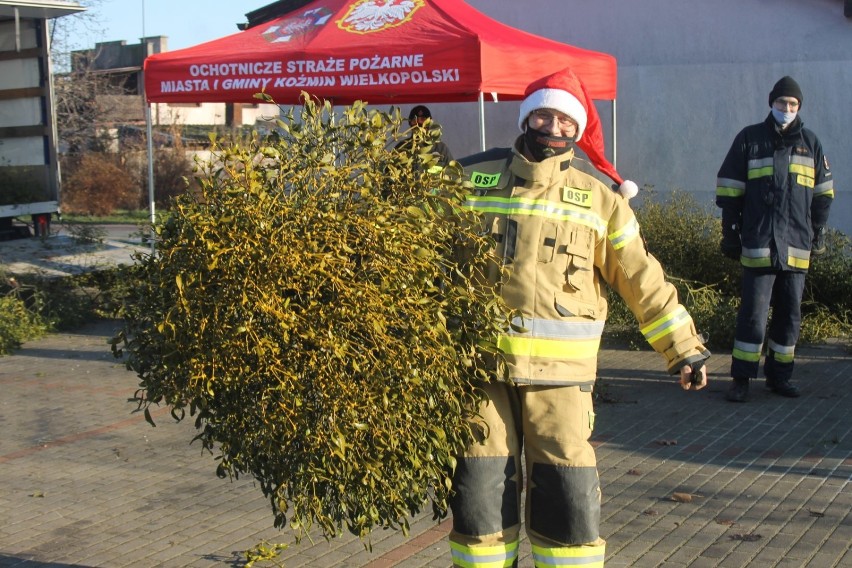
point(738, 391)
point(784, 388)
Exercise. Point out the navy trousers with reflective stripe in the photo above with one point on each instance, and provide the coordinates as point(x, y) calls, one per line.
point(782, 291)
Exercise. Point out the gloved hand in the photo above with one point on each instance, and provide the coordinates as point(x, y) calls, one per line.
point(695, 378)
point(818, 246)
point(731, 245)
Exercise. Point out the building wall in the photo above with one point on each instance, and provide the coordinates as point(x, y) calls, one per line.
point(210, 113)
point(691, 74)
point(123, 61)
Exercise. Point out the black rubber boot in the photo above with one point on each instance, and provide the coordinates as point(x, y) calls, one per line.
point(784, 388)
point(738, 391)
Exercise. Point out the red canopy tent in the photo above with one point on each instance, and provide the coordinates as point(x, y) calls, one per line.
point(378, 51)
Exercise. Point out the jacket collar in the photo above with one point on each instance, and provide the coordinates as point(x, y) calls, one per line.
point(541, 172)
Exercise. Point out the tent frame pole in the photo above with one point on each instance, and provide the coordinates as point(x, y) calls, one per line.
point(614, 136)
point(481, 121)
point(150, 148)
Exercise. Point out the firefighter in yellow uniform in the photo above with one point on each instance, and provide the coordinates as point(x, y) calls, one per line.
point(560, 233)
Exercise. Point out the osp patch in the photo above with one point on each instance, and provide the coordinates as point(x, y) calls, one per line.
point(479, 179)
point(577, 196)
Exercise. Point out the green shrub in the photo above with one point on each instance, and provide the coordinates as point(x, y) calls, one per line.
point(97, 183)
point(72, 301)
point(820, 322)
point(684, 236)
point(35, 304)
point(305, 306)
point(60, 302)
point(173, 170)
point(830, 275)
point(108, 290)
point(17, 324)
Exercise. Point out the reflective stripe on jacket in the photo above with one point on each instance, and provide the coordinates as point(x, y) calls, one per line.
point(560, 233)
point(778, 188)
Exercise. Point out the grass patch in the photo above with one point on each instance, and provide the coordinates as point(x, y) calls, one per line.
point(118, 217)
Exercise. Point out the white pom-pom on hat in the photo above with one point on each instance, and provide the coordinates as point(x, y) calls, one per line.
point(628, 189)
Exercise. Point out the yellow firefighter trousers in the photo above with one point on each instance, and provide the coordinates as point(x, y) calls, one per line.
point(552, 426)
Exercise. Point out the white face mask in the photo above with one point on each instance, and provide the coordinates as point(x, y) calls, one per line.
point(783, 118)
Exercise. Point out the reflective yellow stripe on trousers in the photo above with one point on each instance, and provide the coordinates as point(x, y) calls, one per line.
point(503, 556)
point(585, 556)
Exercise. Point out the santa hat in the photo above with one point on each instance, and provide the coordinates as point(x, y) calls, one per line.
point(564, 92)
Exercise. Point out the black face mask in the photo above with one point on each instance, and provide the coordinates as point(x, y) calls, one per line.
point(543, 146)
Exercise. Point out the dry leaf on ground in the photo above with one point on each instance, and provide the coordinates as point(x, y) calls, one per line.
point(747, 537)
point(684, 497)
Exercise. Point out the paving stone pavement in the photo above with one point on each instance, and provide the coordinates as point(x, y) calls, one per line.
point(86, 482)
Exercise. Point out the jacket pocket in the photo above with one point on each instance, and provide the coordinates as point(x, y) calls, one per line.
point(579, 264)
point(570, 305)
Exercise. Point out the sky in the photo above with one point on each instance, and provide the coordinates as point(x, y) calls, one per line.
point(184, 22)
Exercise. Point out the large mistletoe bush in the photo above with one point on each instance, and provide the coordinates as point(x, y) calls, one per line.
point(309, 308)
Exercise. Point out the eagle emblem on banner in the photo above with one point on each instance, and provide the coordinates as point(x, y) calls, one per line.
point(369, 16)
point(287, 29)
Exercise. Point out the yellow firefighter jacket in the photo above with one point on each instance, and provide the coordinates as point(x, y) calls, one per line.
point(560, 232)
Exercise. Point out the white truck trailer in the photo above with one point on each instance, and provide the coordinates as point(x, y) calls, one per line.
point(29, 169)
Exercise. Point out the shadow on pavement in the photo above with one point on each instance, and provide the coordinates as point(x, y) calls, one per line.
point(645, 413)
point(15, 562)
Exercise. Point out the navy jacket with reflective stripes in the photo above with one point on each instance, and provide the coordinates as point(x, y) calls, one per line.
point(777, 187)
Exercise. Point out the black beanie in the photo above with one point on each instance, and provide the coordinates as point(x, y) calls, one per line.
point(786, 87)
point(419, 111)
